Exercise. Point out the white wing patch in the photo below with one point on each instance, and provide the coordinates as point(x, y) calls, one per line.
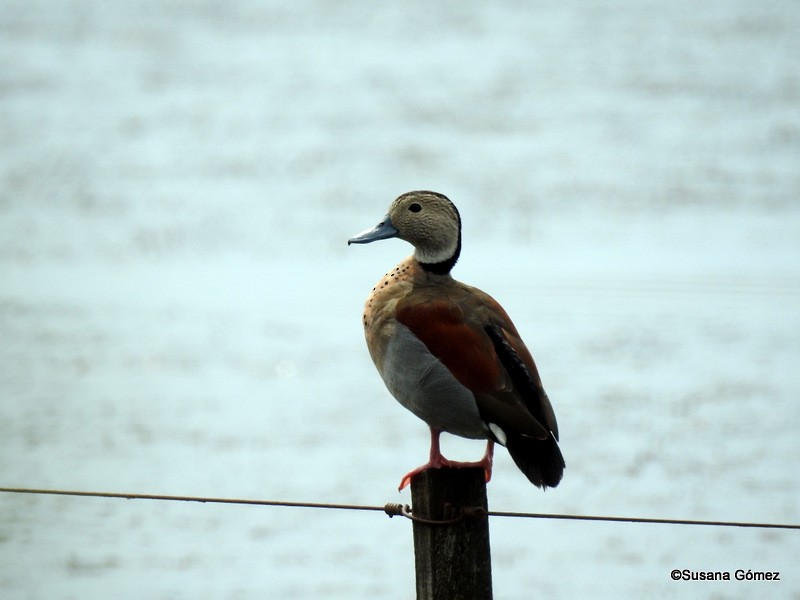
point(498, 433)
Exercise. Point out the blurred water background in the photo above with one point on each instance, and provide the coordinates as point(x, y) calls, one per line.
point(180, 314)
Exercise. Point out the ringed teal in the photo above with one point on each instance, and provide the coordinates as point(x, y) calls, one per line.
point(449, 353)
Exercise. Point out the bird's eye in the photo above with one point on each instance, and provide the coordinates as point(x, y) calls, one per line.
point(415, 207)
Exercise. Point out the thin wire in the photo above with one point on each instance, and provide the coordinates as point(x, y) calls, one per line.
point(190, 499)
point(385, 509)
point(644, 520)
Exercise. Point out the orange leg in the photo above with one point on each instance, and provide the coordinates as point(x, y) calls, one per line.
point(437, 461)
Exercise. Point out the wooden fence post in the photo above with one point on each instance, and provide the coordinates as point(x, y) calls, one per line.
point(453, 561)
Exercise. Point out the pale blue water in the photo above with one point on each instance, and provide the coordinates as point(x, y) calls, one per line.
point(179, 312)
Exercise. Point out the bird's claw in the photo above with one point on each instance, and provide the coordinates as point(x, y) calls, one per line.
point(484, 464)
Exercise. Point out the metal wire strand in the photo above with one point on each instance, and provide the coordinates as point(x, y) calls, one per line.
point(391, 509)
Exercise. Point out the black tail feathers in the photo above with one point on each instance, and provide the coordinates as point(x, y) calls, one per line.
point(540, 460)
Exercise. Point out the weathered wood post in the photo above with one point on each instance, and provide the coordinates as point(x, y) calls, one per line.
point(453, 560)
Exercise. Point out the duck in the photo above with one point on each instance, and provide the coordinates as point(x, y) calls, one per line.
point(449, 353)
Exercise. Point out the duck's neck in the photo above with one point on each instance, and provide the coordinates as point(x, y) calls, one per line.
point(439, 262)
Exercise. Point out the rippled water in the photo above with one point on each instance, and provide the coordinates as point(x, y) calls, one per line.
point(179, 312)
